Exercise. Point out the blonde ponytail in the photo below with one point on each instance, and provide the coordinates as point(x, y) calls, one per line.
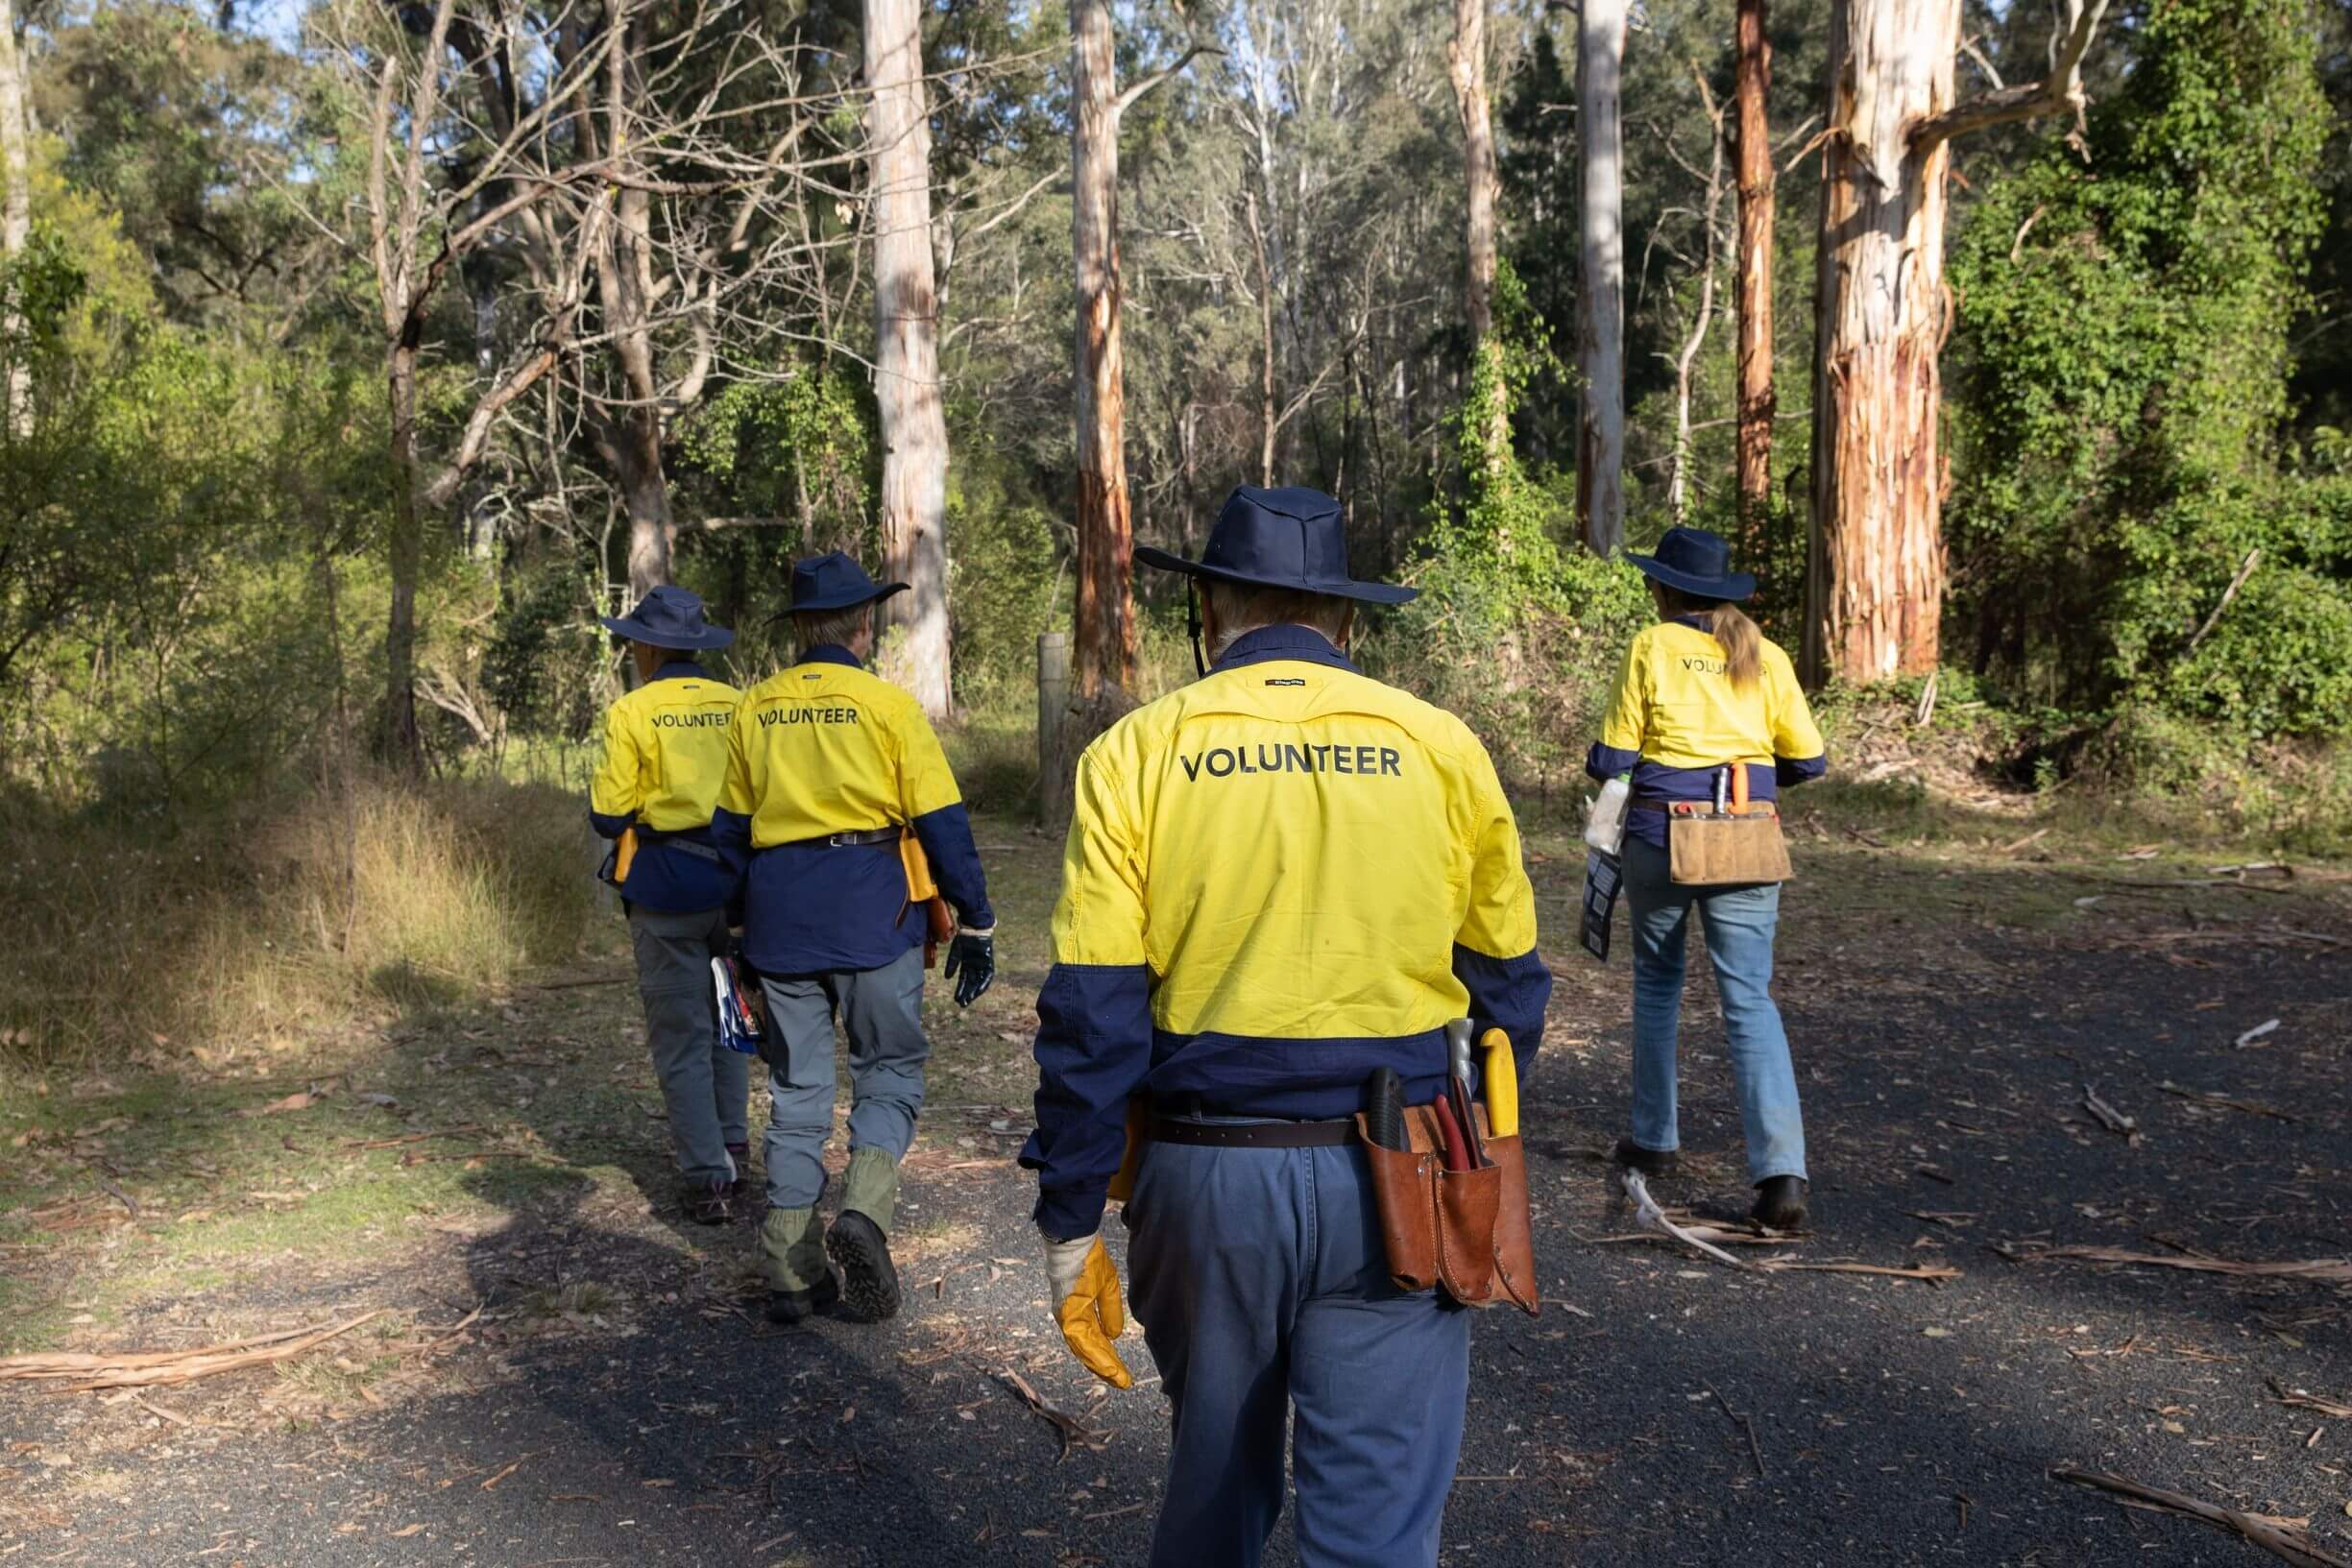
point(1743, 646)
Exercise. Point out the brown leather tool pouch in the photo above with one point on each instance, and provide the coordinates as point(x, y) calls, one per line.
point(1404, 1191)
point(1467, 1231)
point(1708, 848)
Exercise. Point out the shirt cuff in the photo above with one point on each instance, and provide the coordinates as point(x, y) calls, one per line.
point(1605, 763)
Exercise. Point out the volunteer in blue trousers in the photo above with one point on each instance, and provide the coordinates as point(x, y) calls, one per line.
point(1276, 880)
point(837, 800)
point(1700, 692)
point(665, 759)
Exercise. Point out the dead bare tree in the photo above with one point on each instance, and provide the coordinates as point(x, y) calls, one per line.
point(1678, 480)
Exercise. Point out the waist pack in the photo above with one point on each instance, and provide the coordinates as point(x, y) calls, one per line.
point(1466, 1232)
point(1743, 844)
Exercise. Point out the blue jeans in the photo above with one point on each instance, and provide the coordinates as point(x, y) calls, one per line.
point(1741, 923)
point(1262, 1285)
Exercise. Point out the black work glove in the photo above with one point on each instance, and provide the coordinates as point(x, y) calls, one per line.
point(971, 963)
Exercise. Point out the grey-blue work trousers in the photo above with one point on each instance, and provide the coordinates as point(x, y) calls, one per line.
point(881, 1011)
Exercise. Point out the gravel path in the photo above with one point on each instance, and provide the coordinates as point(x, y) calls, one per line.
point(1663, 1408)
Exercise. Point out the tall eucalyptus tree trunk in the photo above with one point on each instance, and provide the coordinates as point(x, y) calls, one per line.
point(907, 354)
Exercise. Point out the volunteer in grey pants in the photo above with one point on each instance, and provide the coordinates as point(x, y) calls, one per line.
point(666, 751)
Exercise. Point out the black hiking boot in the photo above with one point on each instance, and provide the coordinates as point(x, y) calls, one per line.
point(1779, 1203)
point(1650, 1162)
point(711, 1205)
point(799, 1305)
point(869, 1280)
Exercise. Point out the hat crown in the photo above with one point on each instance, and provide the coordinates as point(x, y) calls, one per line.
point(1293, 534)
point(1695, 552)
point(669, 607)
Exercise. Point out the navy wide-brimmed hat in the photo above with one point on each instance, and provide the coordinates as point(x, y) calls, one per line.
point(1698, 563)
point(669, 618)
point(835, 582)
point(1290, 538)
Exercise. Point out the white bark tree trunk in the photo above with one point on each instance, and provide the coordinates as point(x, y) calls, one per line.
point(907, 356)
point(1600, 311)
point(1467, 59)
point(16, 220)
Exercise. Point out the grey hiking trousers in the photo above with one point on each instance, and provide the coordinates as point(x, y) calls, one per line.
point(705, 1087)
point(882, 1013)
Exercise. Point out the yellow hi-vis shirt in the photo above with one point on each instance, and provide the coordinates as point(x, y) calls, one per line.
point(1676, 719)
point(1674, 705)
point(1276, 880)
point(664, 761)
point(821, 748)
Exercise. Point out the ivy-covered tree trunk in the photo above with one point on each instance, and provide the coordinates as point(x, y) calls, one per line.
point(1105, 531)
point(906, 357)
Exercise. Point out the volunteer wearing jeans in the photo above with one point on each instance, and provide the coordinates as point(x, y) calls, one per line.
point(836, 789)
point(665, 759)
point(1277, 880)
point(1702, 693)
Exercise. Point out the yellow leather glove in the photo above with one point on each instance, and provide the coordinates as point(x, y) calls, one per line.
point(1086, 1302)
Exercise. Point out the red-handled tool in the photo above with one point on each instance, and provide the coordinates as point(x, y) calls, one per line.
point(1457, 1152)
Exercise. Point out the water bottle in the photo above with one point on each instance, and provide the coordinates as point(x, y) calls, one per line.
point(1605, 823)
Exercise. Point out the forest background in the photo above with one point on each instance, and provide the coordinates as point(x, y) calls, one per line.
point(358, 356)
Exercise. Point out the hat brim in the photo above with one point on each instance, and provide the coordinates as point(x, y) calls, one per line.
point(1346, 588)
point(848, 601)
point(1732, 587)
point(712, 637)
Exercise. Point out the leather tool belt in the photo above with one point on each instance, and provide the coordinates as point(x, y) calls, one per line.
point(1465, 1230)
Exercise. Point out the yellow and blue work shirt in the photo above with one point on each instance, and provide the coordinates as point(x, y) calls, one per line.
point(824, 748)
point(1676, 719)
point(664, 761)
point(1277, 880)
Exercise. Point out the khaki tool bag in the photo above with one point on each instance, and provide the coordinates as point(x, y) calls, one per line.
point(1465, 1230)
point(1713, 849)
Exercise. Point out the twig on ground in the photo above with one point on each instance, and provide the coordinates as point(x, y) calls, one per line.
point(1754, 1452)
point(2303, 1401)
point(2208, 1097)
point(2267, 1027)
point(1927, 1273)
point(1069, 1428)
point(2113, 1120)
point(1647, 1212)
point(2317, 1270)
point(147, 1369)
point(2290, 1545)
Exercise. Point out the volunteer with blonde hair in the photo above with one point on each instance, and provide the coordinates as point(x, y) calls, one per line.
point(1708, 715)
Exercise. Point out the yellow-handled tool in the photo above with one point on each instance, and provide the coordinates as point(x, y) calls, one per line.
point(1502, 1085)
point(625, 855)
